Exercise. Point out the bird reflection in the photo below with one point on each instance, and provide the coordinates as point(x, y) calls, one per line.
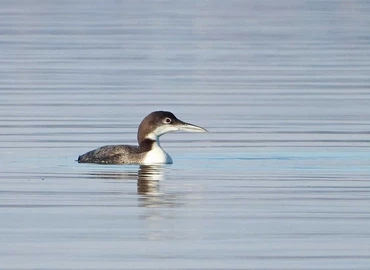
point(148, 187)
point(148, 184)
point(153, 195)
point(148, 179)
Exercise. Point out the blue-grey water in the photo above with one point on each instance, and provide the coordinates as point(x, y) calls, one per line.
point(281, 181)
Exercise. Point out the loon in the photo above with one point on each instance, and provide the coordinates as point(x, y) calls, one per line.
point(149, 150)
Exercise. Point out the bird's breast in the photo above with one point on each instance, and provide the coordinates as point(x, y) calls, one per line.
point(157, 156)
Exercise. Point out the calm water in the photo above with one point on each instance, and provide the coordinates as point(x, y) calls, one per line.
point(282, 181)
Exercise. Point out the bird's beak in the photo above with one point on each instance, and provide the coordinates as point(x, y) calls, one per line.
point(190, 127)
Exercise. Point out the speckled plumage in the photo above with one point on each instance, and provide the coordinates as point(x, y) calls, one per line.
point(113, 154)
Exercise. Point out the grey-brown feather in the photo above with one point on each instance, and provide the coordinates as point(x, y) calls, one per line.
point(113, 154)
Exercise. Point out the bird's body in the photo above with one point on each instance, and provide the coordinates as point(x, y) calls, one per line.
point(149, 150)
point(113, 154)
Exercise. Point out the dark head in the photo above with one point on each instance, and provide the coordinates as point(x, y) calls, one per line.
point(158, 123)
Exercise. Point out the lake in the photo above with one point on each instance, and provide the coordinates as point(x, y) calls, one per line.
point(281, 181)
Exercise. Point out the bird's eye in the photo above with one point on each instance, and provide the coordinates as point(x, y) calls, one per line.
point(168, 120)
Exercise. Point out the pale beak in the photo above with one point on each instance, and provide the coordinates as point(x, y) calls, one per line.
point(189, 127)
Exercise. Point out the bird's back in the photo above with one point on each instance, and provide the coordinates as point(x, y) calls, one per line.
point(113, 154)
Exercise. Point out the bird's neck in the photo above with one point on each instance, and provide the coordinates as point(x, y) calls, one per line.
point(148, 144)
point(153, 152)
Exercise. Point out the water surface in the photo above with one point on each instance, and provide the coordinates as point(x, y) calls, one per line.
point(280, 182)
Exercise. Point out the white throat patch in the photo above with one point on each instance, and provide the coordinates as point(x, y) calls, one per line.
point(159, 131)
point(157, 155)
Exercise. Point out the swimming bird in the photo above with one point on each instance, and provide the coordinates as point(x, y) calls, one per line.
point(149, 150)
